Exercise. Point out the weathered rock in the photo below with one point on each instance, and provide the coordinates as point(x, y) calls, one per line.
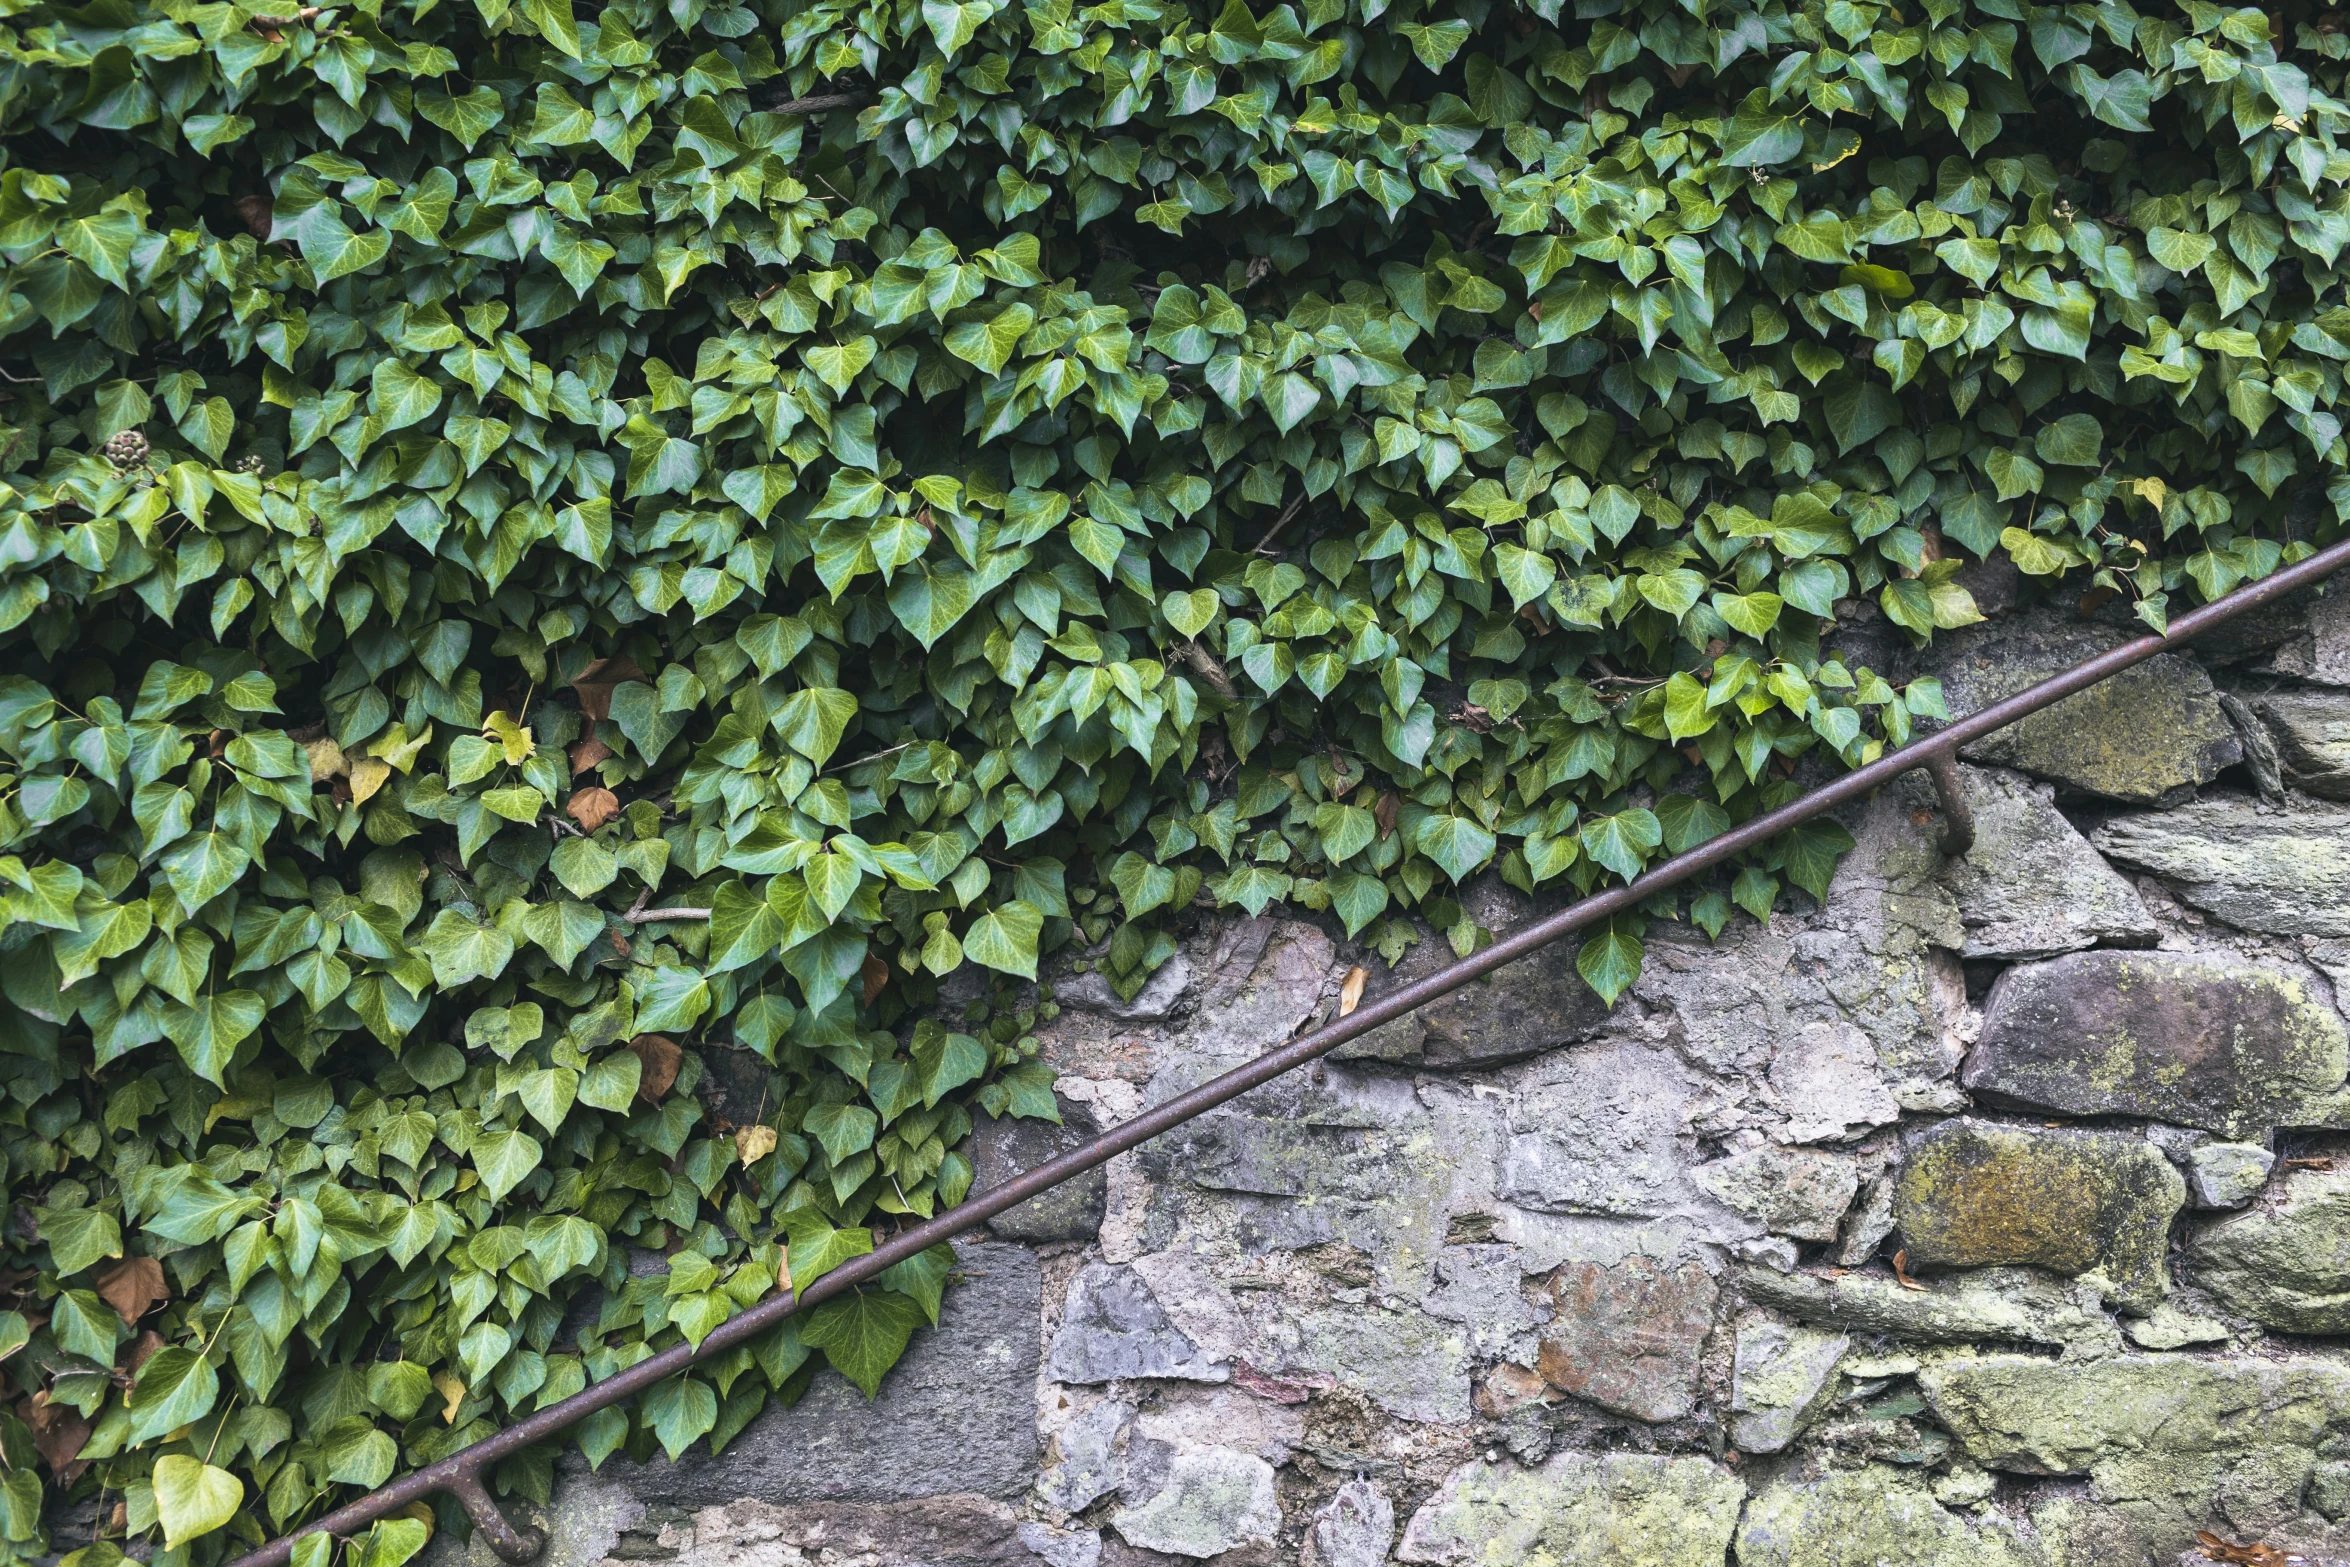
point(935, 1531)
point(1801, 1192)
point(969, 1384)
point(2312, 733)
point(2169, 1326)
point(1603, 1129)
point(1001, 1149)
point(2199, 1040)
point(1405, 1361)
point(2285, 872)
point(1578, 1510)
point(1087, 1464)
point(1869, 1222)
point(1355, 1528)
point(2285, 1263)
point(2227, 1175)
point(1063, 1547)
point(1779, 1376)
point(2032, 887)
point(2145, 736)
point(1993, 1304)
point(588, 1516)
point(1826, 1077)
point(2163, 1435)
point(1538, 1003)
point(1627, 1337)
point(1872, 1515)
point(1973, 1193)
point(1214, 1498)
point(1114, 1329)
point(2322, 652)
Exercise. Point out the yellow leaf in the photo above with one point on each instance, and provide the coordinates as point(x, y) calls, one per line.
point(452, 1390)
point(754, 1143)
point(501, 727)
point(396, 746)
point(326, 760)
point(368, 775)
point(2152, 491)
point(1350, 995)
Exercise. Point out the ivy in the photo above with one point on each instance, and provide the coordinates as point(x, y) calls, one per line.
point(562, 571)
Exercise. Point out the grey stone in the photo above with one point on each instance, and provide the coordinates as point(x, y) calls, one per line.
point(1088, 1464)
point(2078, 1531)
point(1779, 1376)
point(2329, 1489)
point(2145, 736)
point(2031, 886)
point(935, 1531)
point(2227, 1175)
point(1407, 1362)
point(1538, 1003)
point(1801, 1192)
point(2171, 1326)
point(2312, 732)
point(1578, 1510)
point(1825, 1076)
point(1157, 998)
point(1113, 1329)
point(2167, 1434)
point(968, 1384)
point(1603, 1129)
point(1872, 1515)
point(1628, 1337)
point(1001, 1149)
point(1869, 1222)
point(1063, 1547)
point(2322, 652)
point(2199, 1040)
point(590, 1513)
point(2284, 872)
point(1991, 1304)
point(1355, 1528)
point(1973, 1193)
point(1214, 1499)
point(2285, 1263)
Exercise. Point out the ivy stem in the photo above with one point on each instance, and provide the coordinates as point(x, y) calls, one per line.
point(638, 914)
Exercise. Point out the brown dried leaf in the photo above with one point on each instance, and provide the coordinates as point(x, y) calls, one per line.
point(661, 1058)
point(1384, 813)
point(133, 1285)
point(1901, 1272)
point(2257, 1555)
point(587, 753)
point(875, 974)
point(141, 1348)
point(255, 211)
point(594, 684)
point(1350, 995)
point(592, 807)
point(753, 1143)
point(59, 1435)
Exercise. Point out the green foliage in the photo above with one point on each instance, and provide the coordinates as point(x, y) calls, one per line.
point(537, 572)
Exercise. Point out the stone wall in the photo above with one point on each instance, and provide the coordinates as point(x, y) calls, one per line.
point(1989, 1215)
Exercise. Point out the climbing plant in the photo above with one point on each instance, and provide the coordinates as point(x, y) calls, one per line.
point(554, 558)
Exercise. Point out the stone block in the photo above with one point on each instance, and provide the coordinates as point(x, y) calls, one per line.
point(1873, 1515)
point(1602, 1130)
point(2286, 1263)
point(2146, 736)
point(1538, 1003)
point(1410, 1364)
point(1213, 1500)
point(1802, 1192)
point(1355, 1528)
point(935, 1531)
point(2195, 1039)
point(1627, 1337)
point(1974, 1193)
point(2285, 872)
point(2312, 734)
point(1088, 1462)
point(2227, 1175)
point(1825, 1076)
point(2322, 651)
point(2032, 887)
point(1113, 1329)
point(1992, 1304)
point(969, 1385)
point(1578, 1510)
point(2170, 1326)
point(1003, 1149)
point(1779, 1376)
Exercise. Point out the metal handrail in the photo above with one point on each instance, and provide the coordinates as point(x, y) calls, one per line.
point(460, 1473)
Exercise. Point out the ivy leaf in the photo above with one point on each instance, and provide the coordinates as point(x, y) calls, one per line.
point(1610, 961)
point(193, 1498)
point(1005, 938)
point(175, 1386)
point(862, 1334)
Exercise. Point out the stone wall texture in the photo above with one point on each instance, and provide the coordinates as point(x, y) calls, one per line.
point(1995, 1214)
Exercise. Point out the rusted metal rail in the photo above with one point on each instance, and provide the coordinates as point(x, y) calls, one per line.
point(460, 1474)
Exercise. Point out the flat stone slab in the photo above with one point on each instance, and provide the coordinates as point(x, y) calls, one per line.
point(2286, 1263)
point(1578, 1510)
point(1003, 1149)
point(1627, 1338)
point(1975, 1193)
point(1874, 1515)
point(1988, 1304)
point(1801, 1192)
point(1113, 1329)
point(1779, 1376)
point(968, 1385)
point(2312, 734)
point(2032, 887)
point(2146, 736)
point(2205, 1041)
point(2282, 872)
point(1213, 1499)
point(1536, 1004)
